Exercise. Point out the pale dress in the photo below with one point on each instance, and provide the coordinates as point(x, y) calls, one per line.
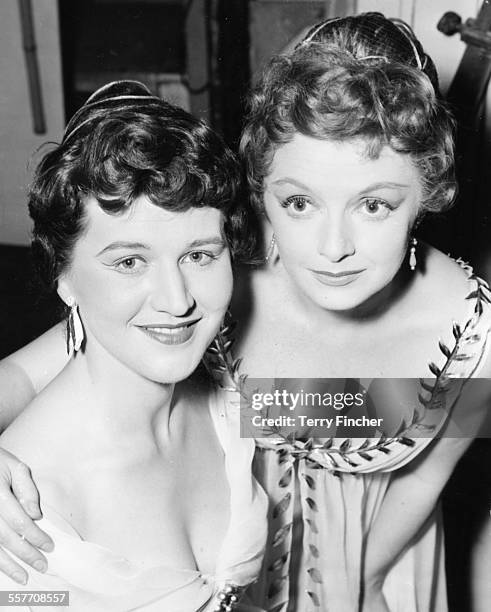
point(336, 507)
point(99, 580)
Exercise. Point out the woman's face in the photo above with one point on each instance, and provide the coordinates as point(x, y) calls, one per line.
point(152, 286)
point(341, 220)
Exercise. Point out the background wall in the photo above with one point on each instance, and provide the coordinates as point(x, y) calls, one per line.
point(274, 22)
point(17, 139)
point(423, 16)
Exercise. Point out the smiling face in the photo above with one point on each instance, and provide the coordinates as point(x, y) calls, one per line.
point(152, 286)
point(341, 220)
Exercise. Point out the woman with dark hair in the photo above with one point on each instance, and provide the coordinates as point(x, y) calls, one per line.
point(134, 215)
point(347, 145)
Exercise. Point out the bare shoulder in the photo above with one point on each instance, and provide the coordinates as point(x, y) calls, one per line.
point(23, 437)
point(452, 293)
point(44, 440)
point(443, 286)
point(445, 276)
point(40, 435)
point(42, 359)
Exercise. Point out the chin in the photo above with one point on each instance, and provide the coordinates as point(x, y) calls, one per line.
point(163, 364)
point(340, 305)
point(343, 298)
point(170, 374)
point(335, 299)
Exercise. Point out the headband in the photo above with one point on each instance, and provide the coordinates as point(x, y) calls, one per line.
point(401, 25)
point(93, 102)
point(313, 31)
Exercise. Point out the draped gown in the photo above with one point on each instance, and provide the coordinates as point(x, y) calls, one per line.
point(99, 580)
point(323, 506)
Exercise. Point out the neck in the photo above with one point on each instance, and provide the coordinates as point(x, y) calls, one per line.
point(384, 300)
point(118, 398)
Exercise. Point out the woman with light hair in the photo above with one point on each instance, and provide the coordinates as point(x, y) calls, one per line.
point(347, 145)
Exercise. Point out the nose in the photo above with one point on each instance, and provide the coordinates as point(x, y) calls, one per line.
point(335, 240)
point(170, 292)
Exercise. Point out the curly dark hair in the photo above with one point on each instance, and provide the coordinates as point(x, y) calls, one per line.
point(124, 143)
point(356, 78)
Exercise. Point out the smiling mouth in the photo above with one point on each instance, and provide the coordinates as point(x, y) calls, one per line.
point(170, 335)
point(337, 279)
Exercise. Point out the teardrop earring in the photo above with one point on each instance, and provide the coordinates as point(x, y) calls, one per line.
point(271, 250)
point(74, 329)
point(412, 254)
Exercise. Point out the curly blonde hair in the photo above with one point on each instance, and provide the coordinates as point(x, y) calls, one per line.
point(346, 86)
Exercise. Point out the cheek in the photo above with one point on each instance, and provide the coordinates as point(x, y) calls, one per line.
point(295, 240)
point(213, 290)
point(386, 246)
point(107, 296)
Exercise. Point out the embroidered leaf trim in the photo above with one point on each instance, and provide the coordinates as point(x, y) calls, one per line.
point(281, 534)
point(278, 563)
point(282, 506)
point(323, 454)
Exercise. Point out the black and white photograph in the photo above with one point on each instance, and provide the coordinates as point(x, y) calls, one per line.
point(245, 314)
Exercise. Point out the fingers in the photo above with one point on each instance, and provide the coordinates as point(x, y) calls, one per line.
point(16, 476)
point(12, 569)
point(21, 548)
point(15, 525)
point(19, 505)
point(25, 490)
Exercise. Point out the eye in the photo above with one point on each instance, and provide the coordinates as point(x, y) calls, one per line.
point(200, 258)
point(378, 209)
point(129, 265)
point(297, 204)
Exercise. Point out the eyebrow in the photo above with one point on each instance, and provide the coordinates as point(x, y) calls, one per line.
point(387, 184)
point(216, 240)
point(290, 181)
point(123, 245)
point(372, 187)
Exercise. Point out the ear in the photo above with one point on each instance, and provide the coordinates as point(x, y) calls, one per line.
point(65, 290)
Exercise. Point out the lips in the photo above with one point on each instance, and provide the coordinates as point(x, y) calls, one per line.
point(337, 279)
point(170, 335)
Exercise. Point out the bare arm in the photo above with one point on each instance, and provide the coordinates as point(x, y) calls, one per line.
point(22, 376)
point(410, 500)
point(414, 493)
point(26, 372)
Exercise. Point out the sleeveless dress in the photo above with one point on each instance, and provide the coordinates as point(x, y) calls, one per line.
point(99, 580)
point(323, 505)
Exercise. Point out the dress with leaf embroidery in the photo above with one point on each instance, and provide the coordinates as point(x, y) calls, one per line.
point(339, 486)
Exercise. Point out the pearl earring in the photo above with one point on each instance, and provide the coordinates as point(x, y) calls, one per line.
point(412, 254)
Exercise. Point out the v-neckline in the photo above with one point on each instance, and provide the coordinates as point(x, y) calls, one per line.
point(224, 422)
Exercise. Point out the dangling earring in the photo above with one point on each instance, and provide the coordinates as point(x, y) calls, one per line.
point(271, 248)
point(74, 329)
point(412, 254)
